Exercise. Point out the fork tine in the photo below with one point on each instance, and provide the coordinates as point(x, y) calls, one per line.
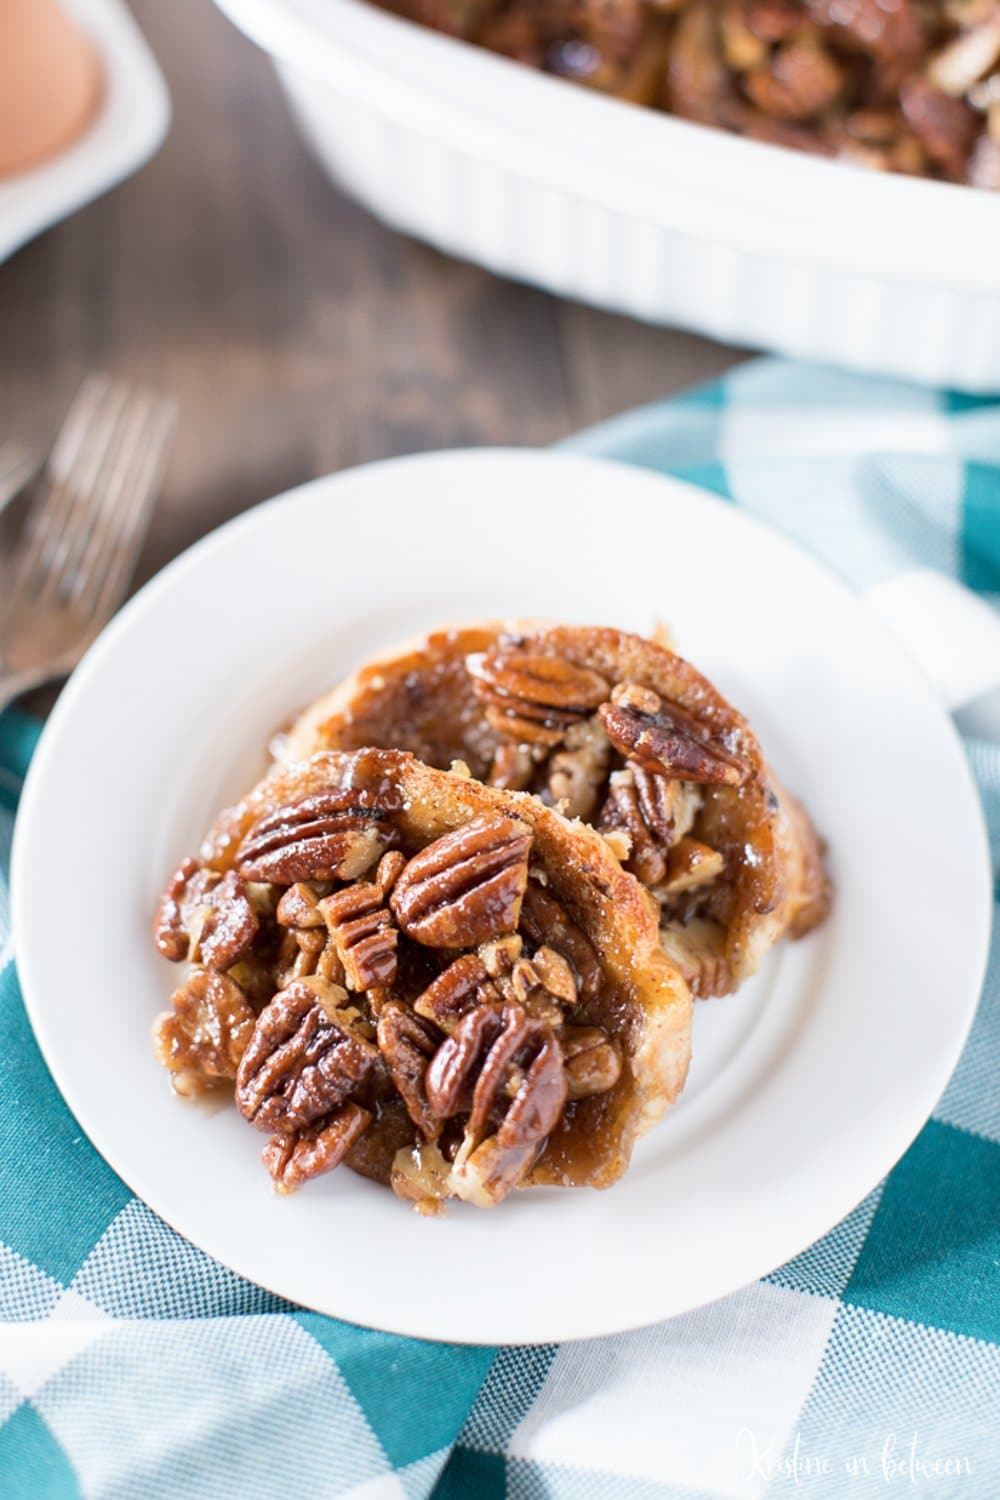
point(100, 497)
point(49, 503)
point(68, 476)
point(71, 573)
point(83, 488)
point(126, 520)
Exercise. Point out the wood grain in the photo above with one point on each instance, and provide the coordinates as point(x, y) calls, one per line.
point(299, 334)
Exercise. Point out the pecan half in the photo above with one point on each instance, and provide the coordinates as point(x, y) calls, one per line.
point(664, 737)
point(668, 807)
point(946, 128)
point(533, 697)
point(205, 917)
point(230, 924)
point(480, 1067)
point(327, 836)
point(593, 1062)
point(407, 1045)
point(545, 923)
point(170, 931)
point(654, 813)
point(462, 986)
point(502, 1072)
point(465, 887)
point(295, 1156)
point(452, 1075)
point(305, 1058)
point(363, 934)
point(646, 859)
point(202, 1038)
point(507, 1071)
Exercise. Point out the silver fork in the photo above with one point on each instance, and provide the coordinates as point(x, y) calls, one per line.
point(84, 532)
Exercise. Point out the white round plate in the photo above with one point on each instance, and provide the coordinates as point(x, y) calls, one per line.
point(806, 1086)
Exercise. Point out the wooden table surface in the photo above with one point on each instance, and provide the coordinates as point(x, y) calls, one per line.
point(299, 334)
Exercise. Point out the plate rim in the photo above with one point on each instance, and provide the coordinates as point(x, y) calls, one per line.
point(260, 516)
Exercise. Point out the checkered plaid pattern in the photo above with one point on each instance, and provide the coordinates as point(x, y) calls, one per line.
point(131, 1365)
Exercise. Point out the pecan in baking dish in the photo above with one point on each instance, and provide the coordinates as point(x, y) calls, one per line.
point(910, 86)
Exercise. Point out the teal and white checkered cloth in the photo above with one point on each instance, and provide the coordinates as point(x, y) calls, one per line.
point(132, 1365)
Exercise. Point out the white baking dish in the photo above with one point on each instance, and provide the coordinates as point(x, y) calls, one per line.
point(132, 121)
point(636, 211)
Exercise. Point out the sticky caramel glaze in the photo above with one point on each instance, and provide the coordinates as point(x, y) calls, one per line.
point(391, 1130)
point(578, 1149)
point(421, 698)
point(420, 701)
point(642, 1001)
